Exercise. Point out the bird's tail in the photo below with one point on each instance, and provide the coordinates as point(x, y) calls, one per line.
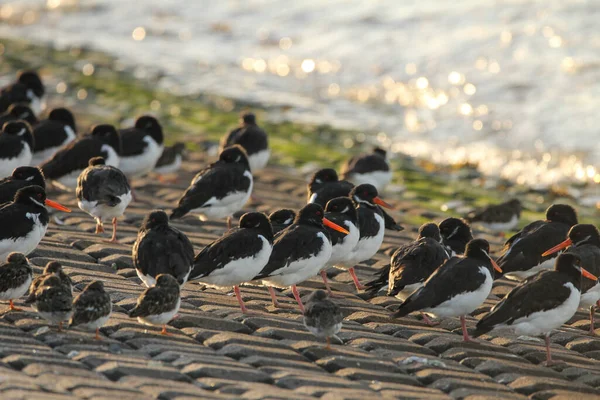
point(373, 287)
point(414, 302)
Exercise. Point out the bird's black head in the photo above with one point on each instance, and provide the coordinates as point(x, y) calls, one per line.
point(562, 213)
point(234, 154)
point(259, 222)
point(570, 264)
point(29, 174)
point(317, 295)
point(380, 152)
point(22, 111)
point(96, 161)
point(96, 286)
point(456, 233)
point(584, 234)
point(32, 81)
point(21, 129)
point(63, 115)
point(284, 217)
point(52, 267)
point(149, 124)
point(155, 219)
point(32, 195)
point(325, 175)
point(167, 281)
point(17, 258)
point(109, 135)
point(342, 205)
point(430, 230)
point(515, 204)
point(477, 248)
point(249, 119)
point(310, 214)
point(364, 194)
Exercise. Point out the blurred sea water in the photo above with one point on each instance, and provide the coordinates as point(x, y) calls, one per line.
point(513, 86)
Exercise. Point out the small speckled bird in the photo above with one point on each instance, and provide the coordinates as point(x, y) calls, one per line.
point(15, 277)
point(52, 267)
point(54, 301)
point(158, 304)
point(322, 317)
point(91, 308)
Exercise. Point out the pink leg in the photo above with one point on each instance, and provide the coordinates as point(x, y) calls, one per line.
point(549, 360)
point(463, 323)
point(113, 239)
point(592, 320)
point(428, 321)
point(273, 297)
point(357, 283)
point(133, 196)
point(236, 290)
point(297, 297)
point(229, 222)
point(324, 276)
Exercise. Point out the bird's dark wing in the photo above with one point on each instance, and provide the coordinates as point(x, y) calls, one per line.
point(13, 276)
point(48, 134)
point(89, 306)
point(10, 145)
point(103, 184)
point(522, 233)
point(155, 300)
point(15, 216)
point(364, 164)
point(381, 280)
point(11, 94)
point(54, 299)
point(73, 157)
point(230, 139)
point(590, 260)
point(132, 141)
point(322, 313)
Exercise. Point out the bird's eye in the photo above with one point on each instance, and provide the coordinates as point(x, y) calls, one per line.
point(365, 193)
point(39, 196)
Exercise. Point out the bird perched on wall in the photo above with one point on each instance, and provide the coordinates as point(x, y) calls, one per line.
point(253, 139)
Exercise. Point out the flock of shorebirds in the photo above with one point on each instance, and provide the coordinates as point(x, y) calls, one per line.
point(443, 273)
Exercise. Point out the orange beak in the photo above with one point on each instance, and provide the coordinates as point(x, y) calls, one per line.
point(54, 204)
point(588, 275)
point(560, 246)
point(331, 225)
point(496, 266)
point(382, 203)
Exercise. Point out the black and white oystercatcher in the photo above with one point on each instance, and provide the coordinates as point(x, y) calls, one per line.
point(20, 178)
point(51, 268)
point(51, 134)
point(24, 221)
point(15, 277)
point(54, 301)
point(281, 219)
point(497, 218)
point(322, 317)
point(18, 111)
point(104, 193)
point(522, 256)
point(456, 233)
point(158, 304)
point(299, 252)
point(541, 303)
point(584, 241)
point(220, 189)
point(325, 185)
point(142, 146)
point(67, 164)
point(237, 256)
point(368, 168)
point(16, 146)
point(170, 161)
point(161, 249)
point(253, 139)
point(27, 89)
point(456, 288)
point(91, 308)
point(371, 226)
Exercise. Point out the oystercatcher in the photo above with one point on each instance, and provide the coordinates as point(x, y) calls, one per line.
point(91, 308)
point(325, 185)
point(322, 317)
point(522, 256)
point(584, 241)
point(299, 252)
point(237, 256)
point(253, 139)
point(170, 161)
point(220, 189)
point(142, 146)
point(371, 226)
point(541, 303)
point(27, 89)
point(67, 164)
point(158, 304)
point(104, 193)
point(161, 249)
point(52, 134)
point(51, 268)
point(411, 264)
point(54, 301)
point(456, 288)
point(497, 218)
point(369, 168)
point(15, 277)
point(455, 235)
point(341, 212)
point(25, 220)
point(16, 144)
point(21, 177)
point(281, 219)
point(16, 112)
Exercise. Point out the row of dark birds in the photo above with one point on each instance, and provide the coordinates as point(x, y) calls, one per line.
point(444, 273)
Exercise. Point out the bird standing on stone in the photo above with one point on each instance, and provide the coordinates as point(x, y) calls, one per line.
point(253, 139)
point(161, 249)
point(104, 193)
point(159, 303)
point(541, 303)
point(91, 308)
point(16, 146)
point(51, 134)
point(54, 301)
point(20, 178)
point(27, 89)
point(322, 317)
point(368, 168)
point(15, 277)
